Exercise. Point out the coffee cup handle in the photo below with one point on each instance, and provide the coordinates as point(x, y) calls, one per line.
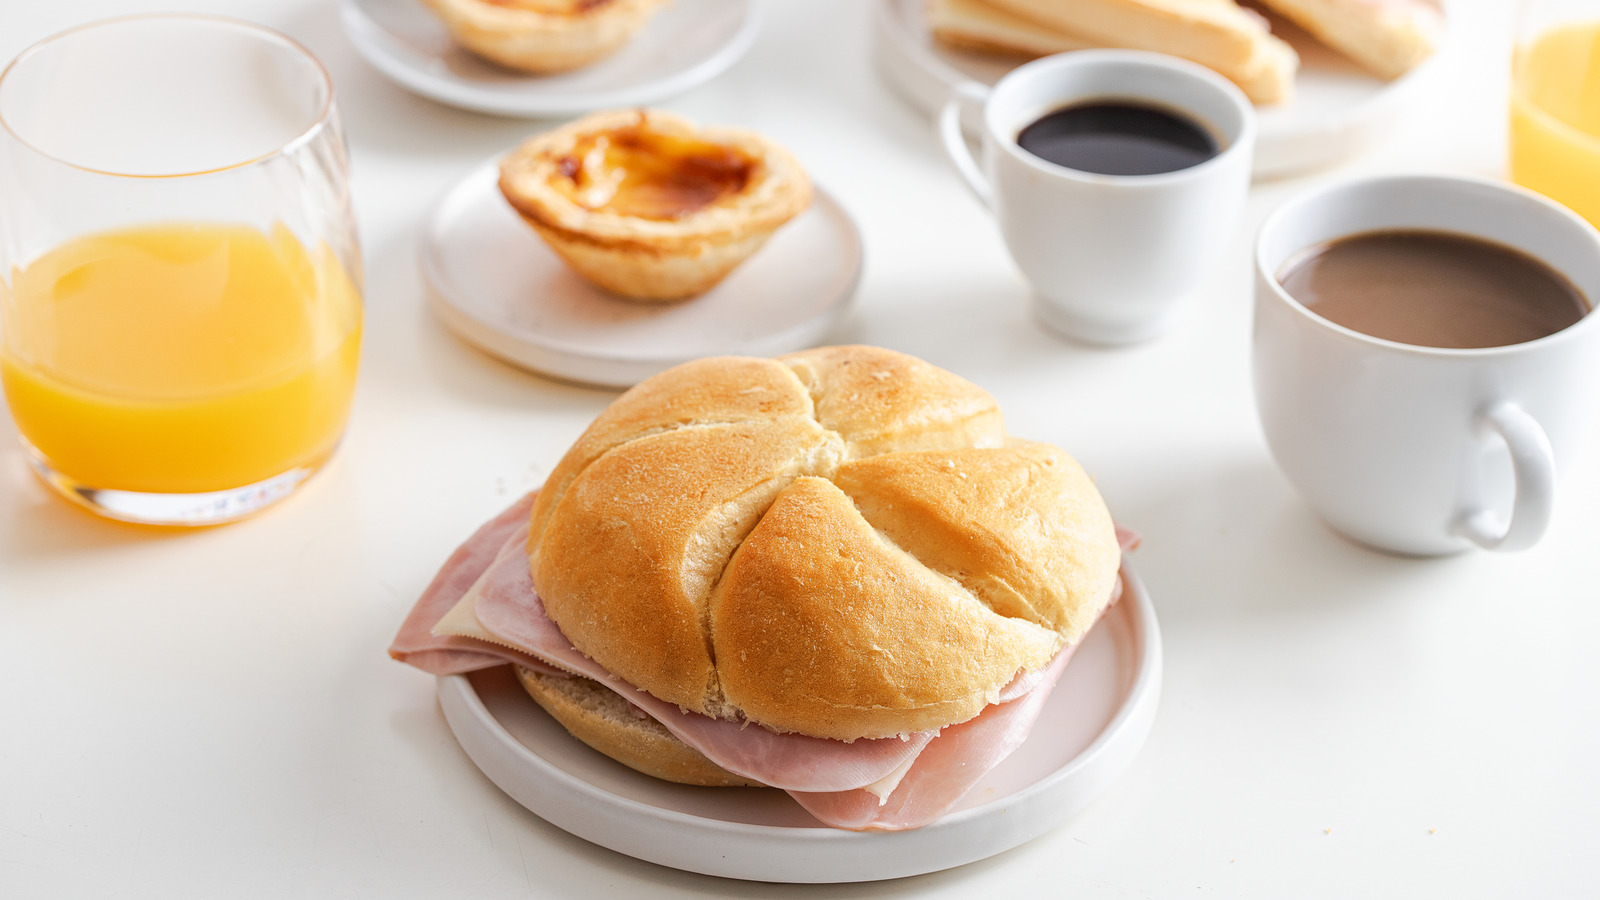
point(1533, 467)
point(967, 94)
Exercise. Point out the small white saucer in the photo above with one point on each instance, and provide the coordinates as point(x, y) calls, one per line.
point(497, 285)
point(1089, 732)
point(1338, 110)
point(686, 44)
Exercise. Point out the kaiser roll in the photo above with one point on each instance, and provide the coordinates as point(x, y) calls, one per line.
point(840, 542)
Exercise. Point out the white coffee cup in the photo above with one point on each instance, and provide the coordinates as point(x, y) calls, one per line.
point(1110, 257)
point(1423, 450)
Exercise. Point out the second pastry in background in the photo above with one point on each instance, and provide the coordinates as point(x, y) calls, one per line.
point(650, 206)
point(544, 37)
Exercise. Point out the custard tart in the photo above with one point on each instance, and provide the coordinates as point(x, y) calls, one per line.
point(544, 36)
point(650, 206)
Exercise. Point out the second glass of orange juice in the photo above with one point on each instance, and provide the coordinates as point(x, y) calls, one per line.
point(180, 300)
point(1555, 103)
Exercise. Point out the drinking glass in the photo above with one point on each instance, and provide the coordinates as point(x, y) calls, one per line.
point(1555, 103)
point(180, 282)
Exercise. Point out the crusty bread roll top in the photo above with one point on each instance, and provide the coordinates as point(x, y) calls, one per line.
point(840, 542)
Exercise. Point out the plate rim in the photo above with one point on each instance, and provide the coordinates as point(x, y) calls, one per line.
point(360, 30)
point(1130, 725)
point(443, 293)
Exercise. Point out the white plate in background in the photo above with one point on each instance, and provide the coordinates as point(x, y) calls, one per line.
point(1338, 110)
point(686, 44)
point(497, 285)
point(1088, 733)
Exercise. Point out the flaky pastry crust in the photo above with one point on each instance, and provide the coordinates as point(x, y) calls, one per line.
point(735, 188)
point(543, 37)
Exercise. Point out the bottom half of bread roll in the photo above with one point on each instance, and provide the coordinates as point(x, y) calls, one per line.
point(601, 718)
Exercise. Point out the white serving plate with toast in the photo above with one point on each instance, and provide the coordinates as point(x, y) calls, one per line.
point(1089, 732)
point(1337, 113)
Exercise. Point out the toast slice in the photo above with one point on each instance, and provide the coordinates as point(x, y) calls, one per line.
point(1386, 37)
point(1218, 34)
point(976, 25)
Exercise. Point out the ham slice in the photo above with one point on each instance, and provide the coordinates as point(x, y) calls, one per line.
point(485, 590)
point(958, 760)
point(1128, 539)
point(945, 770)
point(416, 643)
point(506, 606)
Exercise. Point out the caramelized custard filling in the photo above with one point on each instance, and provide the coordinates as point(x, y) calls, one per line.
point(650, 175)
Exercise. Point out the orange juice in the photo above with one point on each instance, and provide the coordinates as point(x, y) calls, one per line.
point(180, 358)
point(1555, 117)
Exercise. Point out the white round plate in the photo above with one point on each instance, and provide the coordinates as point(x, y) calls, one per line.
point(497, 285)
point(1338, 110)
point(1089, 732)
point(686, 44)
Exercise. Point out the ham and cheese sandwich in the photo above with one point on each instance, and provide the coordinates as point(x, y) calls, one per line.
point(831, 573)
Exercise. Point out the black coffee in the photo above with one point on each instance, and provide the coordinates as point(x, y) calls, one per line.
point(1119, 138)
point(1433, 289)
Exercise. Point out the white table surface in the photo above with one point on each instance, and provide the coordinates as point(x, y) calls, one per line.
point(212, 714)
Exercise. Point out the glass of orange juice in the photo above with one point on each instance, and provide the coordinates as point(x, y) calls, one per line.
point(180, 282)
point(1555, 103)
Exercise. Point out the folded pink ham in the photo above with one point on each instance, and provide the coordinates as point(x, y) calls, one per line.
point(829, 778)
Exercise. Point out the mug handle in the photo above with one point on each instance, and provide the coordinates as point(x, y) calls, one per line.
point(965, 94)
point(1533, 466)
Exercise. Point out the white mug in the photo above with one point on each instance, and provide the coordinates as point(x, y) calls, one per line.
point(1424, 450)
point(1110, 257)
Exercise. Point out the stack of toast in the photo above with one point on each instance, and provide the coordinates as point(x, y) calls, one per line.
point(1386, 37)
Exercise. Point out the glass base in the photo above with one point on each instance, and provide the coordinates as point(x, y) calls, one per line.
point(210, 508)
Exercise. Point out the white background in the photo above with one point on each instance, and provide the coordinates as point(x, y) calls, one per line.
point(212, 714)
